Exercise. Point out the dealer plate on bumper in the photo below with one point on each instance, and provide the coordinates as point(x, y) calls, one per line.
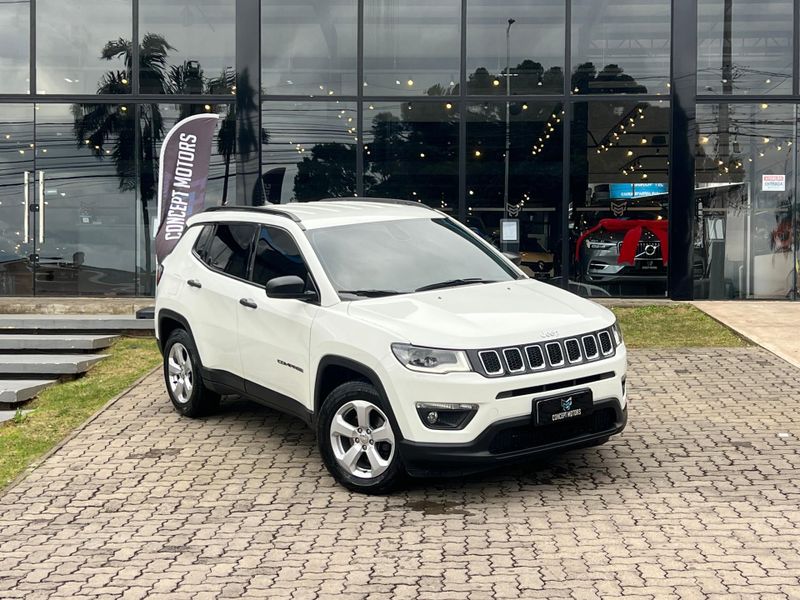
point(549, 411)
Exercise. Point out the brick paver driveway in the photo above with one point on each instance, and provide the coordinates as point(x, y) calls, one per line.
point(698, 498)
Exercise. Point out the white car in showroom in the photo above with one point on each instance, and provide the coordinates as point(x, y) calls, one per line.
point(408, 343)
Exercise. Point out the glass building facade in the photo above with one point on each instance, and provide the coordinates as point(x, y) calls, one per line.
point(645, 147)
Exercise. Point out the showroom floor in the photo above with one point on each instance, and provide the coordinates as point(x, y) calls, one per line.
point(697, 499)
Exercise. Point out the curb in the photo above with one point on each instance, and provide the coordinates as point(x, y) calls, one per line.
point(74, 433)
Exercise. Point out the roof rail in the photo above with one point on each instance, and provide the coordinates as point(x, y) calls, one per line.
point(259, 209)
point(381, 201)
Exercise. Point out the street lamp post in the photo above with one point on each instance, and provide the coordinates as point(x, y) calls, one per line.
point(508, 116)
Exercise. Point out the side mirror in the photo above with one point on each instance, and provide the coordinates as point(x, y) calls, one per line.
point(289, 287)
point(514, 257)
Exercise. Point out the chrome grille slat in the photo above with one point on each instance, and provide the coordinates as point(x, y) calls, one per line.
point(606, 346)
point(514, 361)
point(573, 348)
point(490, 358)
point(590, 349)
point(555, 354)
point(535, 357)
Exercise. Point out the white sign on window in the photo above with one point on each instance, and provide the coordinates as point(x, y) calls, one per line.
point(773, 183)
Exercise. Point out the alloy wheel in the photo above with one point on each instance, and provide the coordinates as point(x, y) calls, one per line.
point(362, 439)
point(181, 373)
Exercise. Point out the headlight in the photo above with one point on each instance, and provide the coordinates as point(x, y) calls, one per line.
point(431, 360)
point(615, 329)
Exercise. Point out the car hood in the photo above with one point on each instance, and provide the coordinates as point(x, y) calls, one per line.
point(483, 315)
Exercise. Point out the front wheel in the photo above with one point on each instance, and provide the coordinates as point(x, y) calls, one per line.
point(357, 441)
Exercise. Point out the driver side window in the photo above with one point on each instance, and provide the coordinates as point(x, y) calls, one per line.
point(277, 255)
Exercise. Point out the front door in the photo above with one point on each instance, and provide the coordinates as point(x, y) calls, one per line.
point(274, 333)
point(68, 200)
point(17, 200)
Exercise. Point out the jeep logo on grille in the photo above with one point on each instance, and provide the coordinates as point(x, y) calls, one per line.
point(548, 334)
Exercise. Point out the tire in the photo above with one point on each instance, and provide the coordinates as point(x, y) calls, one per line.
point(354, 415)
point(189, 394)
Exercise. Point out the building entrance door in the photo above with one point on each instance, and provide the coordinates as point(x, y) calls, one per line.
point(67, 200)
point(746, 221)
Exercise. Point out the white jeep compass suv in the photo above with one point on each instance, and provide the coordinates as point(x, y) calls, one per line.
point(410, 344)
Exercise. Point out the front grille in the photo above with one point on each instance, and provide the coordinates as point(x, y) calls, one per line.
point(554, 354)
point(535, 357)
point(491, 362)
point(590, 346)
point(524, 437)
point(605, 342)
point(514, 360)
point(573, 350)
point(648, 250)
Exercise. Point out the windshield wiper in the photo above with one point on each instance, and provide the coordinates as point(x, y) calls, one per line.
point(453, 283)
point(370, 293)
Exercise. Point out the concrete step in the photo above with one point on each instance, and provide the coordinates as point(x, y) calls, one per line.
point(50, 342)
point(14, 323)
point(47, 364)
point(16, 391)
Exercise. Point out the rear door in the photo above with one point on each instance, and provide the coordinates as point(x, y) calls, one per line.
point(274, 333)
point(214, 290)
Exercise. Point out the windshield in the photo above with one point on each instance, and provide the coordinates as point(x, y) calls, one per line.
point(403, 256)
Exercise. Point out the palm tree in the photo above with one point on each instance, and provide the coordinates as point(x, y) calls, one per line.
point(96, 125)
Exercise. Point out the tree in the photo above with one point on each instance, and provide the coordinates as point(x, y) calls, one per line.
point(96, 125)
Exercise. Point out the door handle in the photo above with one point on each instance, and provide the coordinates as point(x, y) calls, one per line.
point(248, 303)
point(41, 207)
point(26, 197)
point(194, 283)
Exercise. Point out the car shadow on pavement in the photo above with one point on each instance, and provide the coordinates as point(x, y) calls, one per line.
point(585, 468)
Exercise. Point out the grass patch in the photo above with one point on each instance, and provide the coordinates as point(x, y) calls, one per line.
point(681, 326)
point(60, 409)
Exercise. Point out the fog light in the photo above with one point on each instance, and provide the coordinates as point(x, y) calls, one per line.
point(444, 415)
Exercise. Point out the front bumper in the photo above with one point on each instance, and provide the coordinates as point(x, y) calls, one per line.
point(513, 440)
point(498, 398)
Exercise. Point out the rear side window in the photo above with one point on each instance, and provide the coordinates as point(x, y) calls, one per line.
point(229, 248)
point(202, 243)
point(276, 255)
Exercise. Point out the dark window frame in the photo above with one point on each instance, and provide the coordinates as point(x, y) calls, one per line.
point(311, 280)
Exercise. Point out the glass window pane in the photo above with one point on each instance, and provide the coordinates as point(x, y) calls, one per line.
point(534, 131)
point(411, 152)
point(14, 59)
point(309, 47)
point(85, 162)
point(187, 47)
point(619, 198)
point(411, 47)
point(276, 255)
point(16, 169)
point(83, 47)
point(308, 151)
point(744, 47)
point(744, 233)
point(229, 250)
point(155, 120)
point(620, 46)
point(536, 38)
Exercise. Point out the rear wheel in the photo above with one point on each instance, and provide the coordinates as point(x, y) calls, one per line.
point(189, 394)
point(357, 440)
